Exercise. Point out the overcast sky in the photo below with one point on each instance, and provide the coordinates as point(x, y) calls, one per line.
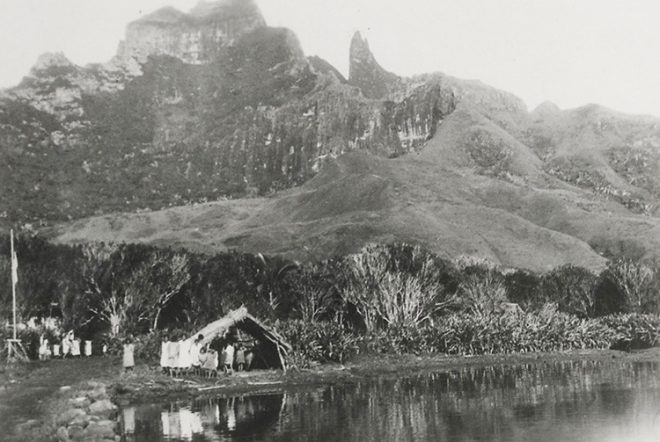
point(571, 52)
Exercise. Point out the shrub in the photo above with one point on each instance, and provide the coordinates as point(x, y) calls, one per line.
point(636, 286)
point(387, 291)
point(318, 342)
point(482, 291)
point(633, 331)
point(572, 288)
point(522, 288)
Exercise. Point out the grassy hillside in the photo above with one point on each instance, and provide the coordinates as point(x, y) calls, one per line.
point(362, 198)
point(454, 164)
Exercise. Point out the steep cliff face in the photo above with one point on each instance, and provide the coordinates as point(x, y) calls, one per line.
point(195, 37)
point(157, 127)
point(214, 104)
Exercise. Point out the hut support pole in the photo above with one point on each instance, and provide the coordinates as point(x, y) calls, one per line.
point(282, 361)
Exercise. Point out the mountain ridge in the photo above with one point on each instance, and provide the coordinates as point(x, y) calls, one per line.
point(316, 164)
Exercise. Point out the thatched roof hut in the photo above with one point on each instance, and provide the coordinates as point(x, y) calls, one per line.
point(273, 347)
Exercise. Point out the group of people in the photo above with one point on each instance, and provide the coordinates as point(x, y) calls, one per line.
point(190, 356)
point(69, 346)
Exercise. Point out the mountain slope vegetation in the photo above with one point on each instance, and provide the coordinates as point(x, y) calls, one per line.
point(240, 141)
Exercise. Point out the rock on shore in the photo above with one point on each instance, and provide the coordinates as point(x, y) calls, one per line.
point(90, 416)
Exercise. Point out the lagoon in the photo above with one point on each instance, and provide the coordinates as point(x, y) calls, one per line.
point(551, 401)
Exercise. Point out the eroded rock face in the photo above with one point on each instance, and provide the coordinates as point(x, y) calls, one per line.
point(366, 73)
point(251, 116)
point(213, 103)
point(195, 37)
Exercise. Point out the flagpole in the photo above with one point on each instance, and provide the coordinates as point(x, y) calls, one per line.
point(13, 281)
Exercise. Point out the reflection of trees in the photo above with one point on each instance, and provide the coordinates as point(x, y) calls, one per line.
point(493, 403)
point(490, 403)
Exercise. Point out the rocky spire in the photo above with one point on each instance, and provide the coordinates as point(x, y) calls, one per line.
point(365, 72)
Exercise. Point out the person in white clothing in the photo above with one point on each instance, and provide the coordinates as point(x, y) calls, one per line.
point(229, 358)
point(195, 348)
point(75, 348)
point(164, 356)
point(184, 362)
point(172, 357)
point(67, 344)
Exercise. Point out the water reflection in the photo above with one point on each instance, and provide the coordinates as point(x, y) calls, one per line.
point(576, 401)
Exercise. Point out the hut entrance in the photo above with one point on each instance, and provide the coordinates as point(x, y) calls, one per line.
point(267, 348)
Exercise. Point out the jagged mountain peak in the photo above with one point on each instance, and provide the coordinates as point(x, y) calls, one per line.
point(165, 15)
point(366, 73)
point(195, 37)
point(360, 46)
point(226, 10)
point(212, 103)
point(50, 60)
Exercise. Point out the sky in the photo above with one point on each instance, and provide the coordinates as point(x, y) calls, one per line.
point(570, 52)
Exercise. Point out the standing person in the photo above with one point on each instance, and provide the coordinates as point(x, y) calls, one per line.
point(229, 357)
point(210, 366)
point(128, 361)
point(172, 356)
point(67, 344)
point(75, 348)
point(43, 345)
point(164, 353)
point(184, 355)
point(240, 357)
point(88, 348)
point(195, 348)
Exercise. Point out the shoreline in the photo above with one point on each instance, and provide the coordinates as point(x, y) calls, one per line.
point(101, 379)
point(132, 390)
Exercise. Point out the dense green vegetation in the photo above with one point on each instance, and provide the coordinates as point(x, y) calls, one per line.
point(386, 298)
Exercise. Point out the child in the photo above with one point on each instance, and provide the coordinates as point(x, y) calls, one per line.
point(172, 356)
point(195, 348)
point(164, 356)
point(210, 366)
point(67, 342)
point(75, 348)
point(184, 362)
point(240, 357)
point(128, 360)
point(43, 348)
point(229, 358)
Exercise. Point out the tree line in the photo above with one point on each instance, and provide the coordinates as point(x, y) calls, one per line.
point(116, 289)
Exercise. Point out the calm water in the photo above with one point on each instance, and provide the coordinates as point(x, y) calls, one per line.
point(569, 401)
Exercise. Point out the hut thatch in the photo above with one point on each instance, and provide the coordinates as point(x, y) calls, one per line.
point(275, 346)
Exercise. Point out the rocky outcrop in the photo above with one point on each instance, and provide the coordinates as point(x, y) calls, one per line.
point(366, 73)
point(90, 417)
point(196, 37)
point(258, 117)
point(213, 103)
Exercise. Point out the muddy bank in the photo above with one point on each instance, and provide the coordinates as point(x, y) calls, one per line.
point(146, 385)
point(34, 397)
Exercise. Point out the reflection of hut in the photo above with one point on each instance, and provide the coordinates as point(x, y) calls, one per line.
point(271, 350)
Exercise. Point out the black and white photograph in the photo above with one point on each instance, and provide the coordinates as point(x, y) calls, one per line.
point(329, 220)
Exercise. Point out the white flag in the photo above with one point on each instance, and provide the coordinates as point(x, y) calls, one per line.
point(14, 268)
